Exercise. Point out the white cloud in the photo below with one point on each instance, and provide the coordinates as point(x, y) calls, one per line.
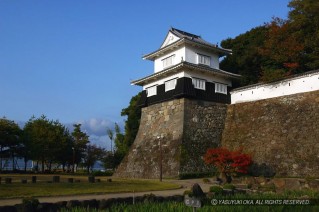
point(96, 129)
point(96, 126)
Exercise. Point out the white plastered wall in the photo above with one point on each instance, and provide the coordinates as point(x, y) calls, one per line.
point(299, 84)
point(191, 74)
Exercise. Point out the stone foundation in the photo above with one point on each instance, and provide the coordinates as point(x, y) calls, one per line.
point(187, 127)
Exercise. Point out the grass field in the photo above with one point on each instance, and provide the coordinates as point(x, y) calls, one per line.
point(44, 186)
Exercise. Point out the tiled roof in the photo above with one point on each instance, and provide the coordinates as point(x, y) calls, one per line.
point(277, 81)
point(177, 67)
point(189, 36)
point(186, 38)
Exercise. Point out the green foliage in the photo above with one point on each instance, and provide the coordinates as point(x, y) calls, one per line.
point(30, 204)
point(100, 173)
point(10, 140)
point(216, 189)
point(47, 140)
point(246, 58)
point(269, 75)
point(91, 155)
point(304, 22)
point(278, 48)
point(229, 186)
point(193, 175)
point(124, 141)
point(133, 113)
point(81, 140)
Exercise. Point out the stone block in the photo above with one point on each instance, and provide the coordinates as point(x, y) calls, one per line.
point(279, 183)
point(292, 184)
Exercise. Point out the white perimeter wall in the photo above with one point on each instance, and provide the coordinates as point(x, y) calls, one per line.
point(299, 84)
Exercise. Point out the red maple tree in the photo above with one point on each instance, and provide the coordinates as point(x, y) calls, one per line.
point(228, 162)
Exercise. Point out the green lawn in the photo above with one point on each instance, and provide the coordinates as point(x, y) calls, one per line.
point(43, 188)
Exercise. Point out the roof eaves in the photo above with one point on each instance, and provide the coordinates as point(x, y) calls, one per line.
point(189, 65)
point(152, 54)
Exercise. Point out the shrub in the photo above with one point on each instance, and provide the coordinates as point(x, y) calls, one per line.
point(30, 201)
point(192, 175)
point(229, 186)
point(216, 189)
point(100, 173)
point(228, 162)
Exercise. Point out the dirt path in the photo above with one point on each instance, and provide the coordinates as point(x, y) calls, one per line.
point(186, 184)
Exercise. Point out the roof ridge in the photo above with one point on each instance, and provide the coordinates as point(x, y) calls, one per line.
point(184, 33)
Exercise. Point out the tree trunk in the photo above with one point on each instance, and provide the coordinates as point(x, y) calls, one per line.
point(42, 164)
point(1, 158)
point(225, 178)
point(13, 164)
point(25, 164)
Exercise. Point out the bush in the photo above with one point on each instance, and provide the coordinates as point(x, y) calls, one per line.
point(192, 175)
point(229, 186)
point(100, 173)
point(216, 189)
point(31, 201)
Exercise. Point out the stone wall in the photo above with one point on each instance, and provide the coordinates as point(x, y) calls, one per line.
point(188, 128)
point(281, 132)
point(203, 128)
point(143, 160)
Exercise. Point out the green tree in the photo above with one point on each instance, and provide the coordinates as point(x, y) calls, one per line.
point(81, 139)
point(91, 155)
point(133, 113)
point(279, 48)
point(282, 51)
point(10, 134)
point(110, 133)
point(124, 141)
point(246, 59)
point(46, 139)
point(304, 23)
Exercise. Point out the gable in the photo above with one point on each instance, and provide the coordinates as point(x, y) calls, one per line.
point(170, 38)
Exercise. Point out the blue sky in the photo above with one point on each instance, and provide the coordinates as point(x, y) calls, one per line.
point(73, 60)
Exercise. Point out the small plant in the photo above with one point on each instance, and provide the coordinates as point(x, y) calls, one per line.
point(216, 189)
point(149, 198)
point(229, 186)
point(30, 201)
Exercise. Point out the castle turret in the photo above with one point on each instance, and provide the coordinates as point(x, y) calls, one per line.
point(186, 66)
point(184, 107)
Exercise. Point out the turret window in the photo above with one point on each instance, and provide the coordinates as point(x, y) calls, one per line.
point(151, 91)
point(199, 83)
point(168, 61)
point(203, 59)
point(170, 84)
point(220, 88)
